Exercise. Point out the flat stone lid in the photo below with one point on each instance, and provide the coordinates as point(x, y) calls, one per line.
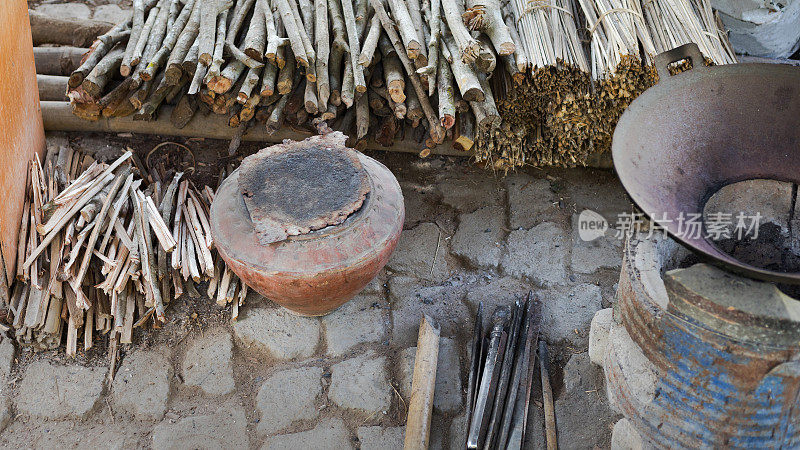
point(743, 308)
point(294, 188)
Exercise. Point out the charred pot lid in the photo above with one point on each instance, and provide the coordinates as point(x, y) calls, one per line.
point(295, 188)
point(693, 133)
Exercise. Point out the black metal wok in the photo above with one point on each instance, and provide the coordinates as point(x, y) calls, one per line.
point(693, 133)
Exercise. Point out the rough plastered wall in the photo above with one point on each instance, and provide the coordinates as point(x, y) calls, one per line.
point(21, 132)
point(769, 28)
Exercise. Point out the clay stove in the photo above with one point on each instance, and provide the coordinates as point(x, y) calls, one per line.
point(697, 357)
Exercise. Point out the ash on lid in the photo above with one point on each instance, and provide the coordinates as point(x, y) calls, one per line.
point(294, 188)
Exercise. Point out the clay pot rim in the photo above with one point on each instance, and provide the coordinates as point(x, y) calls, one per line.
point(355, 218)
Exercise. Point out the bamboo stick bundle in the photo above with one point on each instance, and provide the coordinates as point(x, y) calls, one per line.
point(673, 24)
point(551, 67)
point(621, 72)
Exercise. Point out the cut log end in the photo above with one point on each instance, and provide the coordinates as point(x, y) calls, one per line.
point(463, 143)
point(220, 84)
point(172, 74)
point(397, 92)
point(75, 79)
point(474, 95)
point(506, 48)
point(448, 121)
point(413, 50)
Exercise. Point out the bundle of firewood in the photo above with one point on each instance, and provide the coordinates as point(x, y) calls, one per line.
point(101, 253)
point(567, 106)
point(363, 67)
point(562, 71)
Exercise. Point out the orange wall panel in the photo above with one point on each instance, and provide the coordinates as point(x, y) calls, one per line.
point(21, 132)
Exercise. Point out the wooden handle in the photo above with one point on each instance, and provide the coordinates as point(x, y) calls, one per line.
point(420, 407)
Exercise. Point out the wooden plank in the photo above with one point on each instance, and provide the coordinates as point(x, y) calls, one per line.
point(20, 120)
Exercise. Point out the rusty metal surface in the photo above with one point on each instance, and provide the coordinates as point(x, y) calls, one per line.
point(693, 133)
point(712, 390)
point(315, 273)
point(297, 187)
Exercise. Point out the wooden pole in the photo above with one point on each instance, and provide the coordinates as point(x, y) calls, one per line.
point(58, 116)
point(547, 397)
point(420, 407)
point(52, 87)
point(57, 60)
point(53, 30)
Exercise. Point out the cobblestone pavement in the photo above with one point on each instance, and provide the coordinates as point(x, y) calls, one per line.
point(275, 380)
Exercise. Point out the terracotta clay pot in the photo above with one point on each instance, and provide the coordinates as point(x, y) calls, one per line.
point(312, 274)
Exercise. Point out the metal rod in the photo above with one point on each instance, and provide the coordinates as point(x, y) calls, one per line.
point(475, 361)
point(516, 375)
point(517, 436)
point(505, 374)
point(489, 378)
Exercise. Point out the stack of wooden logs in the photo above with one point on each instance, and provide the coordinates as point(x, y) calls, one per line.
point(562, 71)
point(363, 67)
point(103, 248)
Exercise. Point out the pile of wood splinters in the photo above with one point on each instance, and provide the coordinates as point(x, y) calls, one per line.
point(103, 248)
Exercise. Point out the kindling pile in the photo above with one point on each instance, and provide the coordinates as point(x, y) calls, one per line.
point(561, 70)
point(587, 60)
point(103, 248)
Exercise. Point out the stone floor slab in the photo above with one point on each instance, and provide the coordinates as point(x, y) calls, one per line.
point(277, 332)
point(361, 320)
point(379, 438)
point(141, 385)
point(567, 310)
point(421, 252)
point(410, 299)
point(225, 429)
point(362, 384)
point(207, 363)
point(330, 434)
point(589, 256)
point(53, 391)
point(539, 254)
point(530, 200)
point(479, 237)
point(288, 396)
